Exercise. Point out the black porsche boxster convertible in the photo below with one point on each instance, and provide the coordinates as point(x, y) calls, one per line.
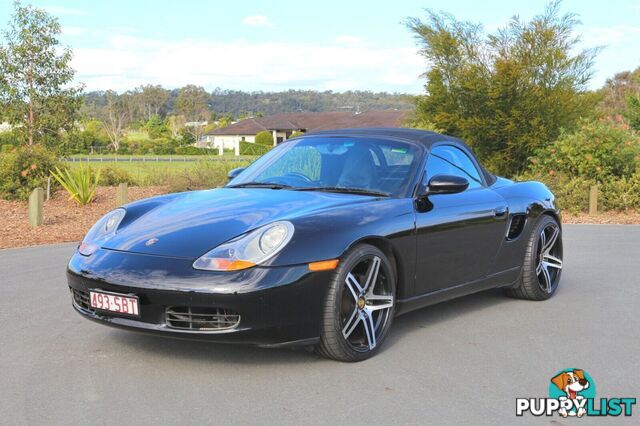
point(322, 242)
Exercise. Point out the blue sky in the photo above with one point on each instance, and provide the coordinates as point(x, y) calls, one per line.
point(278, 45)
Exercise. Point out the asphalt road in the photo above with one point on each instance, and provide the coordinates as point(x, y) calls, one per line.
point(461, 361)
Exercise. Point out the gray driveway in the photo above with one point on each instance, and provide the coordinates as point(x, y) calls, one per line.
point(461, 361)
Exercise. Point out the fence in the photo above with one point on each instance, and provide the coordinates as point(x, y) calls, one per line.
point(36, 202)
point(152, 159)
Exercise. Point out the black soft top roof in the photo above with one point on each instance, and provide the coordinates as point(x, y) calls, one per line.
point(420, 136)
point(423, 137)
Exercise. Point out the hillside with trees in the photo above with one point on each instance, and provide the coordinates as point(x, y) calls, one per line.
point(237, 103)
point(153, 99)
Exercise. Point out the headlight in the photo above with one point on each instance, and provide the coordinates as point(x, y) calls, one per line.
point(248, 250)
point(102, 230)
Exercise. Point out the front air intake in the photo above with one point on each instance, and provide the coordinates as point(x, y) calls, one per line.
point(81, 299)
point(201, 319)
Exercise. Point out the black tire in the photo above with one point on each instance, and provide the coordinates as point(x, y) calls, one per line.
point(338, 313)
point(533, 283)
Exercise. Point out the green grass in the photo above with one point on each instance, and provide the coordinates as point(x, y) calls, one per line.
point(138, 170)
point(228, 154)
point(138, 136)
point(178, 175)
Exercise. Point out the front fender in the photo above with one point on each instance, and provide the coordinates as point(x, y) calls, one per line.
point(328, 234)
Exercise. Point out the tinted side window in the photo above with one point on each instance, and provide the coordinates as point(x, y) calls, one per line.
point(449, 160)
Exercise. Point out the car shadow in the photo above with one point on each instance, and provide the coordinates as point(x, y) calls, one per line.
point(404, 325)
point(435, 315)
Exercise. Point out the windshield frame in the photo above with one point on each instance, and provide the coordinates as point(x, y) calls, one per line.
point(407, 191)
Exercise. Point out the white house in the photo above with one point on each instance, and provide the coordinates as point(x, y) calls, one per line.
point(282, 126)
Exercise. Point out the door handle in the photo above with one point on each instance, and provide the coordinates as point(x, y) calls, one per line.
point(500, 211)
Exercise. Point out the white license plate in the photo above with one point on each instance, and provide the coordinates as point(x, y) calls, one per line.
point(118, 303)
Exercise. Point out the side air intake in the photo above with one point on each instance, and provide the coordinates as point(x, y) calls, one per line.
point(516, 226)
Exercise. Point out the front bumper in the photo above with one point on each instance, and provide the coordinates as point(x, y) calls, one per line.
point(277, 305)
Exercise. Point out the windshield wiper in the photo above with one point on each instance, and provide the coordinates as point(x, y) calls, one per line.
point(259, 185)
point(345, 190)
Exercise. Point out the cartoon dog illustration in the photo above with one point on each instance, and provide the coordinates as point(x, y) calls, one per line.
point(571, 382)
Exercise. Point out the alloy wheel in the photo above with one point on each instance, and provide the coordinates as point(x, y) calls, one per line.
point(549, 257)
point(367, 304)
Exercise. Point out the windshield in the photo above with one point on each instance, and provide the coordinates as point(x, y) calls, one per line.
point(315, 163)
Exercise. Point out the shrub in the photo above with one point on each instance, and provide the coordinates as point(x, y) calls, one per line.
point(191, 150)
point(24, 169)
point(80, 183)
point(264, 138)
point(203, 175)
point(165, 146)
point(248, 148)
point(114, 175)
point(9, 138)
point(81, 141)
point(632, 112)
point(597, 150)
point(572, 193)
point(620, 194)
point(296, 134)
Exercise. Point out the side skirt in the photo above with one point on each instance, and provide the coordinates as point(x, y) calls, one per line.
point(293, 344)
point(504, 278)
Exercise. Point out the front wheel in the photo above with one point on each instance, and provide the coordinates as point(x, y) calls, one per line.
point(359, 307)
point(542, 262)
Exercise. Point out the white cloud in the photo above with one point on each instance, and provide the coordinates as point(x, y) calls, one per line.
point(620, 50)
point(256, 21)
point(65, 11)
point(127, 61)
point(74, 31)
point(604, 36)
point(348, 40)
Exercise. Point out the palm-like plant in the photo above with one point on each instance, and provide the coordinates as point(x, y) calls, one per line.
point(80, 183)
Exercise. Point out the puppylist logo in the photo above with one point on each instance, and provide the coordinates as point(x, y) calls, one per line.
point(572, 392)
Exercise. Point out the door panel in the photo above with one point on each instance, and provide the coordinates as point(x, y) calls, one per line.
point(458, 238)
point(458, 235)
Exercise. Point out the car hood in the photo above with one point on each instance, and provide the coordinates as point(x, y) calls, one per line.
point(192, 223)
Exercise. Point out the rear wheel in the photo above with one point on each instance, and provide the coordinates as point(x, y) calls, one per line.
point(360, 305)
point(542, 263)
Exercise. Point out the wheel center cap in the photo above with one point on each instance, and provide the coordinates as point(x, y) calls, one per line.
point(361, 303)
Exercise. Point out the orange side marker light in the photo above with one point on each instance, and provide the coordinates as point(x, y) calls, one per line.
point(324, 265)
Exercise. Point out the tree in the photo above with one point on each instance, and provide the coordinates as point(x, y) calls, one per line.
point(115, 116)
point(632, 112)
point(192, 104)
point(621, 97)
point(175, 124)
point(152, 99)
point(36, 93)
point(157, 127)
point(509, 93)
point(617, 90)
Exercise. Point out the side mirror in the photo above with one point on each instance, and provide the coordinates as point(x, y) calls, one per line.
point(235, 172)
point(447, 184)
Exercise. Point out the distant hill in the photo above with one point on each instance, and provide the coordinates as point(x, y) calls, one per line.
point(238, 103)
